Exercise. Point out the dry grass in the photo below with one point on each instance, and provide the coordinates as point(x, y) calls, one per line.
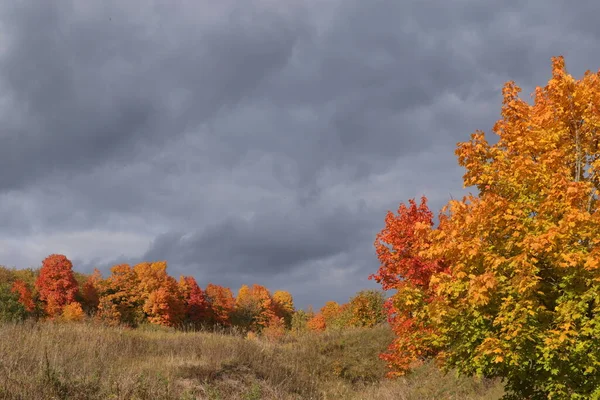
point(86, 361)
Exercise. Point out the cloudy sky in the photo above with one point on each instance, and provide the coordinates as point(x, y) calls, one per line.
point(252, 140)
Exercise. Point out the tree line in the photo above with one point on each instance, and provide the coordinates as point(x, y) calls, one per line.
point(146, 293)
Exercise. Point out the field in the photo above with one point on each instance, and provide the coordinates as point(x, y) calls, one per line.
point(87, 361)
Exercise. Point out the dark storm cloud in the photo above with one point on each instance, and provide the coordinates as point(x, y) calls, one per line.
point(266, 244)
point(254, 141)
point(86, 87)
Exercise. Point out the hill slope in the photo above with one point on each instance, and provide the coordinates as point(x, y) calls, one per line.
point(86, 361)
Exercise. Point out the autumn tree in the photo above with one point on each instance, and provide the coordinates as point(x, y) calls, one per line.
point(120, 299)
point(283, 303)
point(366, 308)
point(56, 284)
point(28, 276)
point(72, 312)
point(7, 276)
point(196, 305)
point(519, 299)
point(316, 323)
point(299, 321)
point(89, 292)
point(405, 271)
point(330, 311)
point(245, 309)
point(254, 308)
point(11, 309)
point(162, 301)
point(274, 329)
point(221, 304)
point(25, 298)
point(165, 305)
point(265, 307)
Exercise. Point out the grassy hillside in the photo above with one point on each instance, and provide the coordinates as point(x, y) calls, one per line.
point(85, 361)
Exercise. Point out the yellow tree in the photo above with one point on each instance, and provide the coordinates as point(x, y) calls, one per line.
point(367, 308)
point(245, 308)
point(254, 307)
point(330, 311)
point(284, 306)
point(520, 298)
point(119, 299)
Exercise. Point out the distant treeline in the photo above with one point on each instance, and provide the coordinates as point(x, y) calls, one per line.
point(146, 293)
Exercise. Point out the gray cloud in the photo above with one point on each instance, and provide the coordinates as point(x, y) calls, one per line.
point(253, 141)
point(265, 244)
point(87, 87)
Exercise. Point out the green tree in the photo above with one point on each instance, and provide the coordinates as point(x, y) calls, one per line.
point(11, 309)
point(366, 308)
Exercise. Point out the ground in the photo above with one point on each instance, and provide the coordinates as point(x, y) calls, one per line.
point(89, 361)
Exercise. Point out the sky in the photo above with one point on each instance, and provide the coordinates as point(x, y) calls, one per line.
point(254, 141)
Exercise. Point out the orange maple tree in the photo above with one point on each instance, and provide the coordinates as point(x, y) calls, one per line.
point(56, 284)
point(165, 306)
point(516, 294)
point(159, 293)
point(221, 304)
point(316, 323)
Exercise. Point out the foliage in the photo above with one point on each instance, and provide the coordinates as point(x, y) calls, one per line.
point(56, 284)
point(316, 323)
point(408, 273)
point(245, 309)
point(131, 296)
point(254, 308)
point(19, 287)
point(196, 306)
point(73, 312)
point(366, 308)
point(283, 303)
point(159, 293)
point(11, 309)
point(265, 308)
point(6, 275)
point(519, 297)
point(90, 298)
point(275, 329)
point(299, 321)
point(165, 305)
point(120, 300)
point(330, 311)
point(221, 304)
